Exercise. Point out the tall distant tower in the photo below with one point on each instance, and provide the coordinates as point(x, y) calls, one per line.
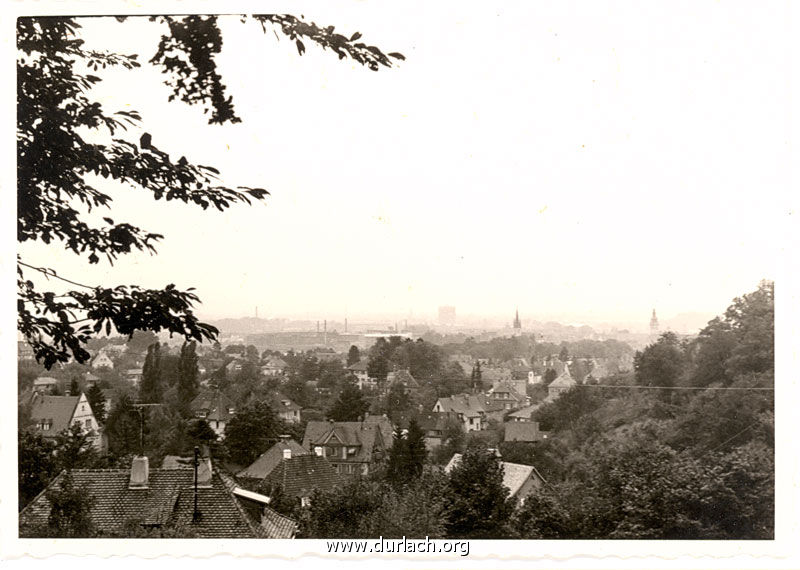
point(654, 328)
point(517, 324)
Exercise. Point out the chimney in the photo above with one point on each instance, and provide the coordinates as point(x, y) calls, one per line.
point(140, 471)
point(287, 453)
point(204, 473)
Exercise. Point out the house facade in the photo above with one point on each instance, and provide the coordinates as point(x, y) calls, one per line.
point(352, 448)
point(216, 409)
point(51, 415)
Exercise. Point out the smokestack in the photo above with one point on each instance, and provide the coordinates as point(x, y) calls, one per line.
point(317, 327)
point(345, 324)
point(325, 324)
point(140, 473)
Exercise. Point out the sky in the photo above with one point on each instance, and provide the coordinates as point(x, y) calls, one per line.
point(581, 161)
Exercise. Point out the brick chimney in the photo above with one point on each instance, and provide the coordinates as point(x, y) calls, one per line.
point(140, 472)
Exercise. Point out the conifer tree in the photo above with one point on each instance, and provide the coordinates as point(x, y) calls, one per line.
point(150, 390)
point(188, 384)
point(97, 401)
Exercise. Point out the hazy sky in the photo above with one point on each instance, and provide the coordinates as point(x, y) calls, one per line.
point(580, 160)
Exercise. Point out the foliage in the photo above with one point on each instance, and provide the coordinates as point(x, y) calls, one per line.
point(70, 511)
point(350, 406)
point(353, 355)
point(97, 401)
point(479, 505)
point(407, 454)
point(660, 364)
point(36, 465)
point(188, 382)
point(364, 508)
point(251, 432)
point(55, 165)
point(123, 428)
point(151, 387)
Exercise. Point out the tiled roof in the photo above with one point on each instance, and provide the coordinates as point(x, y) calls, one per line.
point(366, 435)
point(168, 501)
point(514, 474)
point(564, 380)
point(276, 525)
point(59, 409)
point(215, 404)
point(470, 405)
point(281, 403)
point(402, 376)
point(270, 459)
point(300, 476)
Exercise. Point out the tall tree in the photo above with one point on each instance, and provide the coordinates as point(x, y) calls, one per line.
point(350, 406)
point(36, 465)
point(123, 428)
point(353, 355)
point(151, 389)
point(253, 430)
point(479, 503)
point(661, 363)
point(407, 454)
point(55, 165)
point(97, 401)
point(188, 377)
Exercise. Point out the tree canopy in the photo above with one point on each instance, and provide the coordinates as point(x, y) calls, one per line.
point(56, 163)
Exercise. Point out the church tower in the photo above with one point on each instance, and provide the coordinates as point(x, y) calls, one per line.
point(654, 328)
point(517, 323)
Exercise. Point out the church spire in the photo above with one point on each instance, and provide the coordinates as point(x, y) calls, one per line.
point(517, 323)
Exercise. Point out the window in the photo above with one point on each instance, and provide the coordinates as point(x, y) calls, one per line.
point(87, 424)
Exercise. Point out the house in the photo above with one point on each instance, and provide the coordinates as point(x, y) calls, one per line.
point(273, 366)
point(507, 397)
point(433, 424)
point(363, 379)
point(401, 377)
point(564, 383)
point(520, 480)
point(300, 475)
point(527, 432)
point(285, 409)
point(351, 447)
point(45, 385)
point(51, 415)
point(474, 410)
point(157, 499)
point(102, 360)
point(270, 459)
point(215, 408)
